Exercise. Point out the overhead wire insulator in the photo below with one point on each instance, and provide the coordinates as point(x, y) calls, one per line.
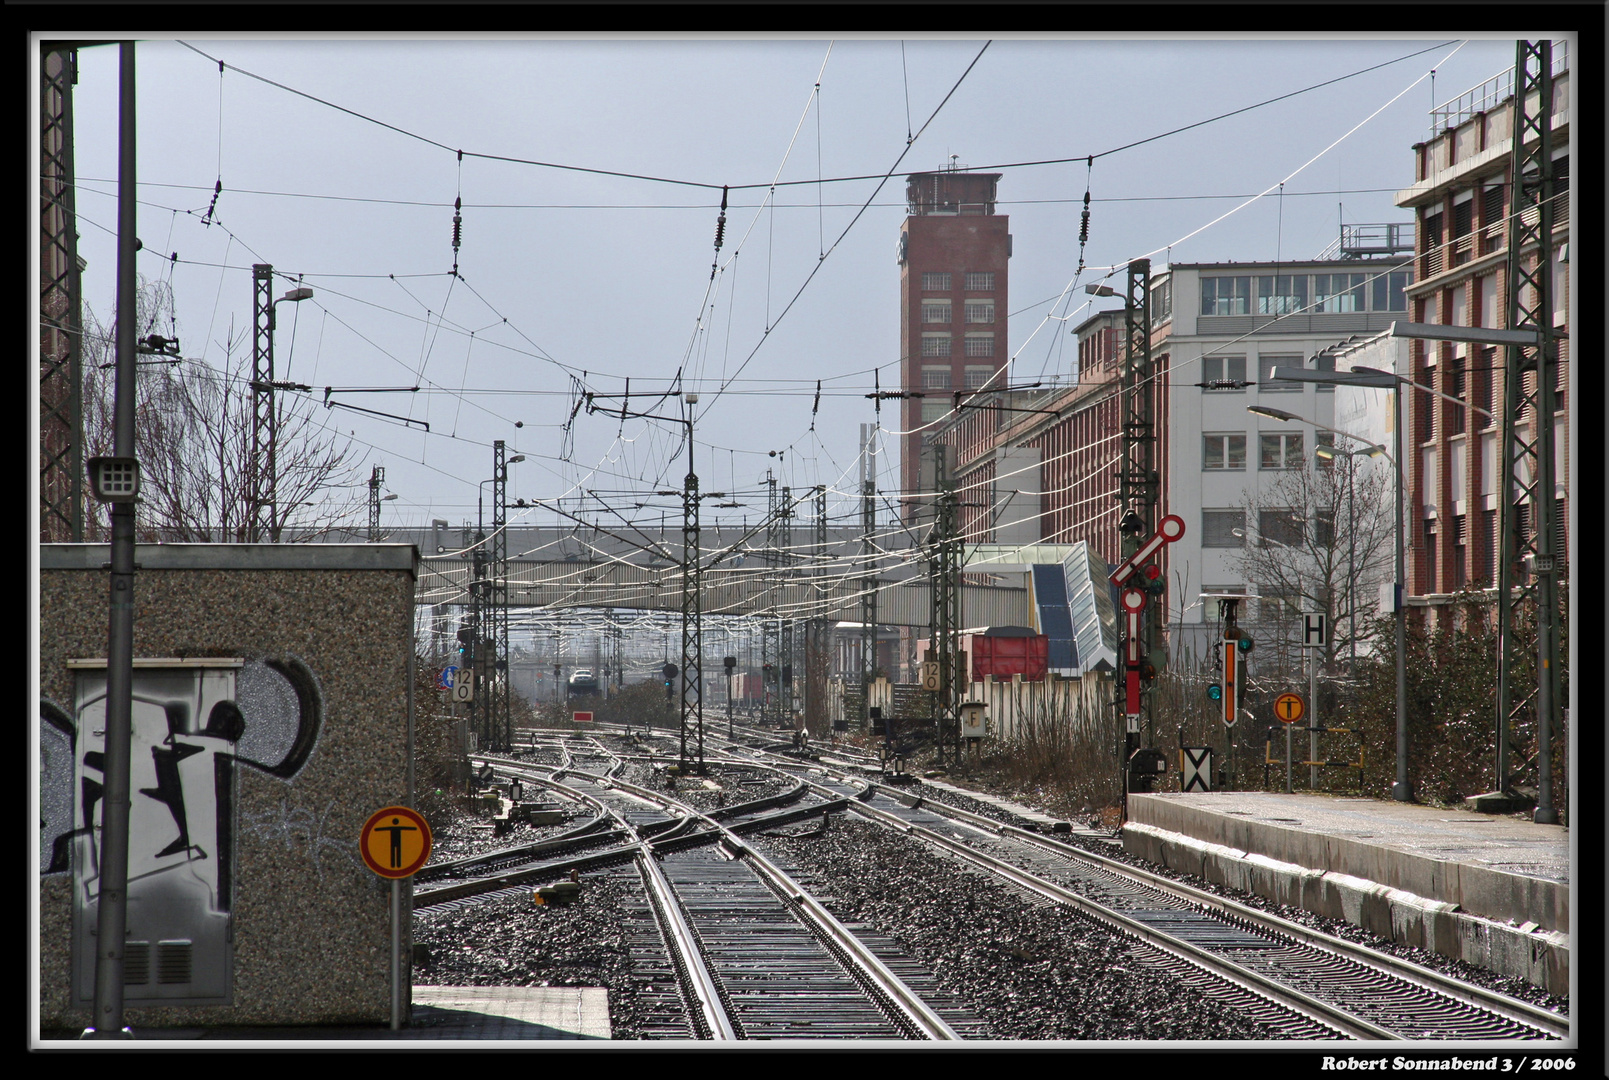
point(720, 234)
point(458, 216)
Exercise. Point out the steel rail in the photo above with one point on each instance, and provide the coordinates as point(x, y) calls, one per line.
point(702, 992)
point(687, 955)
point(1511, 1008)
point(1381, 964)
point(870, 972)
point(865, 965)
point(1315, 1009)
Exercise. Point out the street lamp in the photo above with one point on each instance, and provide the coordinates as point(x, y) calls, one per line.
point(1401, 790)
point(264, 491)
point(1330, 453)
point(1373, 377)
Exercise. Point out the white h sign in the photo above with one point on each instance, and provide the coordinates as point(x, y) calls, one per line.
point(1316, 630)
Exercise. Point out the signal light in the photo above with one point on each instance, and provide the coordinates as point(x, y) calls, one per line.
point(1231, 684)
point(1247, 644)
point(1215, 692)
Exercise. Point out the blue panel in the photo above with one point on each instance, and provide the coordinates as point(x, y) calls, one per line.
point(1092, 607)
point(1055, 620)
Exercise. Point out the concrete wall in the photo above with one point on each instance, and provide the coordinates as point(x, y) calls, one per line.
point(310, 923)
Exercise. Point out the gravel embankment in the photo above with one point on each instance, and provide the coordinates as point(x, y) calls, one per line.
point(1033, 972)
point(1506, 984)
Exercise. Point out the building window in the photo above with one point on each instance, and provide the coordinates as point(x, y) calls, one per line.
point(1226, 296)
point(1219, 528)
point(1266, 383)
point(935, 377)
point(1339, 293)
point(1427, 405)
point(1460, 551)
point(978, 376)
point(935, 311)
point(980, 344)
point(980, 311)
point(1161, 301)
point(1324, 528)
point(1430, 230)
point(977, 281)
point(1430, 556)
point(1492, 206)
point(935, 344)
point(1274, 603)
point(1280, 450)
point(1223, 372)
point(934, 410)
point(1389, 291)
point(1226, 451)
point(1281, 294)
point(1460, 382)
point(936, 282)
point(1279, 527)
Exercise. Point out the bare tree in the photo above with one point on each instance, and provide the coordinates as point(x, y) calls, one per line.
point(1319, 538)
point(193, 427)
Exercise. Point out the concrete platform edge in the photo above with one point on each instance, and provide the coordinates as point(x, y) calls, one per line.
point(1541, 957)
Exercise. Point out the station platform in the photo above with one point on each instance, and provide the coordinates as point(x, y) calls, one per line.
point(440, 1014)
point(1491, 890)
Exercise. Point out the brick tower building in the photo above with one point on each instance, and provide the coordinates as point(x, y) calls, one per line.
point(953, 250)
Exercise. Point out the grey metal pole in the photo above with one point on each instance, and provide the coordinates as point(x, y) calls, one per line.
point(112, 903)
point(396, 951)
point(1312, 713)
point(1351, 562)
point(1401, 790)
point(1288, 789)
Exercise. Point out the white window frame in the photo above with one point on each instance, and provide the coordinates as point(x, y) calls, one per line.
point(1224, 368)
point(975, 376)
point(1290, 448)
point(933, 309)
point(983, 341)
point(1223, 453)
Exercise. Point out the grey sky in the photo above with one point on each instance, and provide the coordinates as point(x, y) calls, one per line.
point(611, 276)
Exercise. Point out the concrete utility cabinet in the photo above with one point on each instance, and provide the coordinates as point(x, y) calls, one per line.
point(272, 714)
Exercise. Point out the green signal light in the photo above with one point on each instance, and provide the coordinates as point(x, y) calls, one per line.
point(1215, 692)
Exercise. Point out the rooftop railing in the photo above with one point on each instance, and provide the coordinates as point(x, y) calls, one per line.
point(1489, 94)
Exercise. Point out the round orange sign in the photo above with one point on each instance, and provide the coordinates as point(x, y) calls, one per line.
point(395, 842)
point(1289, 708)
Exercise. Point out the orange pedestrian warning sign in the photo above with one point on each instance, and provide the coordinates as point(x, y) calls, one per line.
point(1289, 707)
point(395, 842)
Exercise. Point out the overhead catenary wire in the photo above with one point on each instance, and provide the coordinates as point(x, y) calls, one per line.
point(461, 391)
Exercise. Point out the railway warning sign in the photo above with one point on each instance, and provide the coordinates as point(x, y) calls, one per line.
point(395, 842)
point(1289, 707)
point(582, 717)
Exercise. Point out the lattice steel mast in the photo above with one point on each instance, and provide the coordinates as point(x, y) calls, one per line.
point(61, 433)
point(1139, 485)
point(1527, 477)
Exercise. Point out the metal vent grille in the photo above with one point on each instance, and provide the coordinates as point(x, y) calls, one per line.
point(136, 963)
point(172, 962)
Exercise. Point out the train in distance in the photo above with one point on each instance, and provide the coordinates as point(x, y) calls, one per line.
point(583, 682)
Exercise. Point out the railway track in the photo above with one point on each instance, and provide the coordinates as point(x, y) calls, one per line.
point(753, 954)
point(1332, 982)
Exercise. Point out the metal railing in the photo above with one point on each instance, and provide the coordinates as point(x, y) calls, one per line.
point(1494, 91)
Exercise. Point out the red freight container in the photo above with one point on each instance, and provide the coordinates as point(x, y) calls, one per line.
point(1004, 657)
